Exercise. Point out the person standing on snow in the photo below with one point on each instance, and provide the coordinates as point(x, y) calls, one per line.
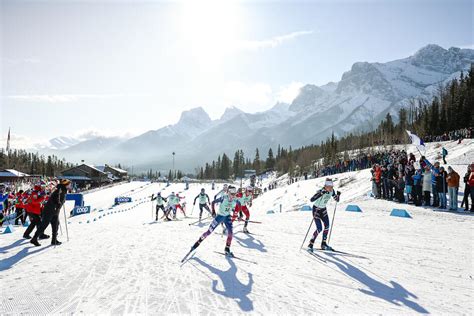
point(203, 200)
point(227, 202)
point(33, 207)
point(245, 200)
point(320, 200)
point(51, 213)
point(453, 185)
point(160, 205)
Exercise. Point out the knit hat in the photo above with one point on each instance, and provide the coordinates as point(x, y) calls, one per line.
point(65, 182)
point(328, 182)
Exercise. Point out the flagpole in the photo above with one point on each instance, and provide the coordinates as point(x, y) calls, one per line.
point(8, 148)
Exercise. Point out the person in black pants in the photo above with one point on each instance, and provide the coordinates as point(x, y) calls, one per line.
point(51, 213)
point(20, 214)
point(467, 191)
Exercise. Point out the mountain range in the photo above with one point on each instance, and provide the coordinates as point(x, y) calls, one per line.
point(359, 101)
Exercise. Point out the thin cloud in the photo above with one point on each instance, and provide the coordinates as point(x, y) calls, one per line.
point(271, 42)
point(19, 61)
point(467, 46)
point(66, 98)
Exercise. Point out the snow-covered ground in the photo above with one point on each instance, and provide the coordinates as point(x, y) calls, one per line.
point(124, 262)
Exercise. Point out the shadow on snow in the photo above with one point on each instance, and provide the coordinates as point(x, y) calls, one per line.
point(8, 263)
point(393, 293)
point(233, 287)
point(250, 242)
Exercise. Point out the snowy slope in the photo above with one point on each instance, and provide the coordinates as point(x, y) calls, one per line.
point(126, 263)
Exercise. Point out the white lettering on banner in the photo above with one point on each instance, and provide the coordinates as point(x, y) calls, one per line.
point(123, 200)
point(81, 210)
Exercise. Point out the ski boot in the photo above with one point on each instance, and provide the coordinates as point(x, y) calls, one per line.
point(227, 252)
point(325, 246)
point(245, 230)
point(26, 236)
point(310, 247)
point(174, 217)
point(55, 242)
point(35, 242)
point(43, 236)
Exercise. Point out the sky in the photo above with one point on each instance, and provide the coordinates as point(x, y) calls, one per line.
point(72, 68)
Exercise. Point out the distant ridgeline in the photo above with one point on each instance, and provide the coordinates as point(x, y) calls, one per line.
point(451, 109)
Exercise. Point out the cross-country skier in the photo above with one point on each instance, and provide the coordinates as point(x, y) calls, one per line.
point(51, 213)
point(227, 205)
point(173, 200)
point(160, 205)
point(203, 200)
point(320, 199)
point(221, 192)
point(182, 207)
point(245, 200)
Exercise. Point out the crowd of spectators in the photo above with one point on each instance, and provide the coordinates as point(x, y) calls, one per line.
point(399, 177)
point(458, 135)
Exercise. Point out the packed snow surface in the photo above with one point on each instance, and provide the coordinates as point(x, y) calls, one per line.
point(126, 263)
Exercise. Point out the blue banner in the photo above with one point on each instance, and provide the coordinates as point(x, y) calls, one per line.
point(122, 199)
point(79, 210)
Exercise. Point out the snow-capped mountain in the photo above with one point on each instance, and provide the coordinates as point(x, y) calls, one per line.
point(359, 101)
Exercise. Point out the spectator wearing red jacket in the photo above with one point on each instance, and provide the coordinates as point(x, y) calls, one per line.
point(34, 206)
point(19, 208)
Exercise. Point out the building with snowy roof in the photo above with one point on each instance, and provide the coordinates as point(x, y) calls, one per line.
point(85, 174)
point(115, 173)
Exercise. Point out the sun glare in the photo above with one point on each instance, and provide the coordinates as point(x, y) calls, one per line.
point(209, 28)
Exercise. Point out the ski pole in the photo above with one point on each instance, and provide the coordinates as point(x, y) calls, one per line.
point(65, 222)
point(306, 236)
point(152, 208)
point(205, 218)
point(192, 210)
point(332, 223)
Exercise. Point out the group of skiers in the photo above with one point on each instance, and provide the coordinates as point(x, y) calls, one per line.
point(231, 205)
point(42, 208)
point(173, 204)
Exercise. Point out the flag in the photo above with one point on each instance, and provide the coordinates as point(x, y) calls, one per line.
point(417, 141)
point(8, 141)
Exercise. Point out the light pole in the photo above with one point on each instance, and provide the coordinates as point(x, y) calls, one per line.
point(174, 172)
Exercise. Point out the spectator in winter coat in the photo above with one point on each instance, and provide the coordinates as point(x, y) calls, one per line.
point(417, 187)
point(427, 186)
point(409, 172)
point(441, 187)
point(471, 186)
point(51, 213)
point(34, 206)
point(434, 172)
point(453, 185)
point(467, 191)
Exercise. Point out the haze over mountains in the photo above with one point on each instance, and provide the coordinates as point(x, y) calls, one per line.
point(359, 101)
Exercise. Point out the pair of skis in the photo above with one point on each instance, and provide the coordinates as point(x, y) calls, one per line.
point(191, 252)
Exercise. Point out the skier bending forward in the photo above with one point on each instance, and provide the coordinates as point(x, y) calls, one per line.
point(320, 199)
point(227, 202)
